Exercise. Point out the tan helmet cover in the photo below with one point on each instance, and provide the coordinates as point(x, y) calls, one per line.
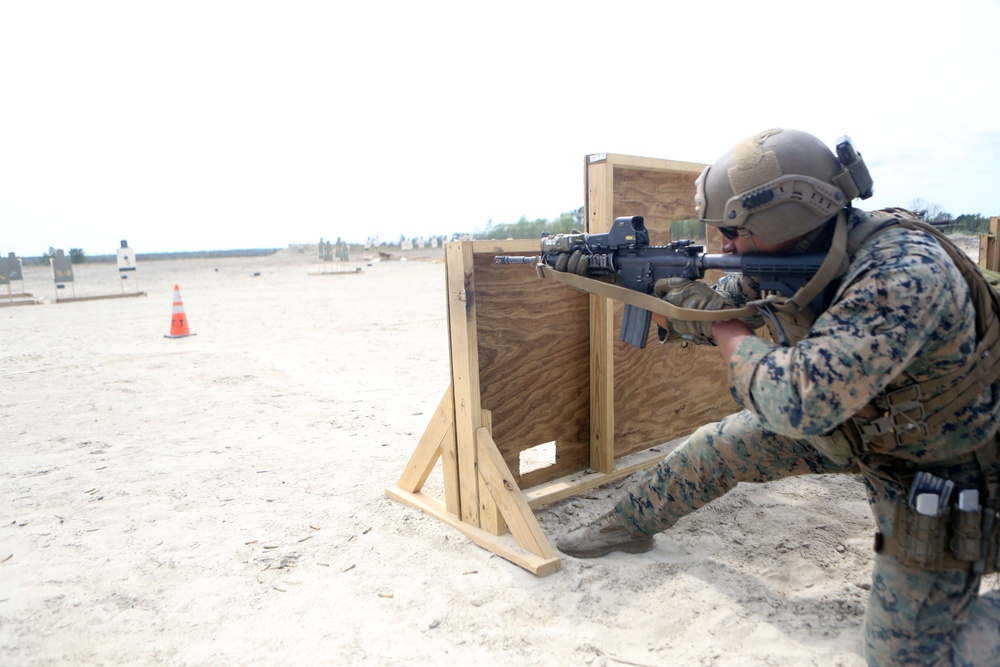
point(777, 184)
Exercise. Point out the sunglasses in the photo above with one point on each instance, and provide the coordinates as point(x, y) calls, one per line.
point(730, 232)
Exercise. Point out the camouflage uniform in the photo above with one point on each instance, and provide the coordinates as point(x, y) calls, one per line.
point(901, 311)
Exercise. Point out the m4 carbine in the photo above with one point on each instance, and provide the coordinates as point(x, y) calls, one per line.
point(624, 256)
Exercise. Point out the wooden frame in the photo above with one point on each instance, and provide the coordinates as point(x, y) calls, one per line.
point(7, 270)
point(989, 248)
point(538, 362)
point(18, 299)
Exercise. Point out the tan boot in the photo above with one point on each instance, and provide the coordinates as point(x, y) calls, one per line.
point(603, 536)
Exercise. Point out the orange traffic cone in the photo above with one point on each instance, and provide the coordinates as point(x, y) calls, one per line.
point(178, 320)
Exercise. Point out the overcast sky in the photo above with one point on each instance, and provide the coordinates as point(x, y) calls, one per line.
point(239, 124)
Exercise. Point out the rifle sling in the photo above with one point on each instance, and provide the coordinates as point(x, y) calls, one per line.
point(640, 300)
point(833, 265)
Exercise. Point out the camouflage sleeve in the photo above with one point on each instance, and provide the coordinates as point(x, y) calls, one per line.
point(901, 296)
point(738, 287)
point(741, 289)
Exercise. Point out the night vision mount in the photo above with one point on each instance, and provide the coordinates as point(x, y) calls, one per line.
point(854, 178)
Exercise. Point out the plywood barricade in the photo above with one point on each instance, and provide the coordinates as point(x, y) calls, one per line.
point(536, 362)
point(989, 248)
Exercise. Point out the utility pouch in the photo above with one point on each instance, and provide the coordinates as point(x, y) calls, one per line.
point(996, 552)
point(989, 560)
point(921, 538)
point(965, 540)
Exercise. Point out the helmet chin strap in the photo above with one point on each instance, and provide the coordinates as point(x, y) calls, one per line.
point(748, 239)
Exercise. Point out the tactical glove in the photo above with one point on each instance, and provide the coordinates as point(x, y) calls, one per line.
point(685, 293)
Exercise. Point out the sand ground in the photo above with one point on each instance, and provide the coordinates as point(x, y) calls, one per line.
point(219, 499)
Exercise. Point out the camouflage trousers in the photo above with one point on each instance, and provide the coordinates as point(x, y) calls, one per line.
point(913, 617)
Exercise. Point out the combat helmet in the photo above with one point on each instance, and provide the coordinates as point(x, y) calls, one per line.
point(780, 184)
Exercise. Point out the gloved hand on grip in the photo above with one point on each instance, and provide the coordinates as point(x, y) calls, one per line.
point(685, 293)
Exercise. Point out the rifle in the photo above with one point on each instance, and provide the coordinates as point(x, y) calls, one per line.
point(624, 256)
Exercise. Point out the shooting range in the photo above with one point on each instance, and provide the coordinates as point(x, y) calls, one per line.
point(11, 271)
point(524, 351)
point(62, 277)
point(334, 259)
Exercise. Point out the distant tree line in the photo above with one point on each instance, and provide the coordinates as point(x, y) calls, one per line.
point(532, 229)
point(568, 222)
point(968, 223)
point(76, 255)
point(973, 224)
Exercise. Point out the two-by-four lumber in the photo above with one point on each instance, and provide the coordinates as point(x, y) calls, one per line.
point(599, 179)
point(502, 545)
point(438, 441)
point(465, 374)
point(475, 507)
point(490, 513)
point(495, 482)
point(989, 247)
point(500, 483)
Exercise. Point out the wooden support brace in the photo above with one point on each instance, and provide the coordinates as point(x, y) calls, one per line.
point(500, 482)
point(575, 484)
point(500, 545)
point(499, 494)
point(490, 515)
point(439, 437)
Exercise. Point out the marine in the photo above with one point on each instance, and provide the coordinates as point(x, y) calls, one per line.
point(881, 367)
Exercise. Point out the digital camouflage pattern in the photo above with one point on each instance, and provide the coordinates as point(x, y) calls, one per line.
point(901, 314)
